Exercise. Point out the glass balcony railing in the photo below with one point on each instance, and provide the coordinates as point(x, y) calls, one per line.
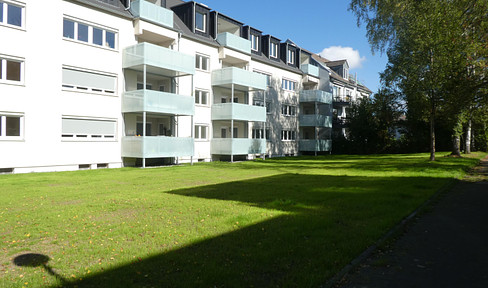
point(156, 147)
point(315, 120)
point(243, 79)
point(235, 42)
point(238, 146)
point(316, 96)
point(310, 70)
point(152, 13)
point(236, 111)
point(157, 102)
point(159, 57)
point(315, 145)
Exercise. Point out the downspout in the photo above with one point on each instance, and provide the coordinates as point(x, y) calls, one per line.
point(128, 7)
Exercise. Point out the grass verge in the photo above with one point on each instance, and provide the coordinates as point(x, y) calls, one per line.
point(282, 222)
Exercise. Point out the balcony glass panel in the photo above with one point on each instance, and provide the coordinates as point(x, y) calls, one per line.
point(315, 96)
point(242, 79)
point(310, 70)
point(236, 111)
point(157, 102)
point(156, 147)
point(315, 145)
point(171, 62)
point(315, 120)
point(238, 146)
point(235, 42)
point(152, 13)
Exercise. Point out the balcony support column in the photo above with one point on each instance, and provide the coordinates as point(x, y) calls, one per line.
point(316, 128)
point(264, 125)
point(192, 123)
point(144, 120)
point(232, 124)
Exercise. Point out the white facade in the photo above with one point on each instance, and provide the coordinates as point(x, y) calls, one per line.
point(71, 96)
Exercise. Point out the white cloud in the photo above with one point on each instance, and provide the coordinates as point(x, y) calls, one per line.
point(338, 53)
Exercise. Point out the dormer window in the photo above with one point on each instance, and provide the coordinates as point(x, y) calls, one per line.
point(291, 56)
point(273, 50)
point(254, 42)
point(200, 21)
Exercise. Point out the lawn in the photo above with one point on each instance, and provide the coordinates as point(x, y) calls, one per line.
point(288, 222)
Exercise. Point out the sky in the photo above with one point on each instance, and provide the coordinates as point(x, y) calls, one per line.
point(320, 26)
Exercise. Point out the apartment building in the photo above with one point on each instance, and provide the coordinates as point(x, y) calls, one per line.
point(90, 84)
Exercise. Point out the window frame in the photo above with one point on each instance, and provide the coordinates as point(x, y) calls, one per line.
point(288, 84)
point(200, 127)
point(5, 10)
point(3, 126)
point(4, 72)
point(288, 135)
point(291, 56)
point(275, 54)
point(255, 42)
point(288, 110)
point(70, 137)
point(198, 97)
point(199, 61)
point(90, 34)
point(204, 19)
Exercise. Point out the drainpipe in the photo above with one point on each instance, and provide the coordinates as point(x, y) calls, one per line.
point(128, 7)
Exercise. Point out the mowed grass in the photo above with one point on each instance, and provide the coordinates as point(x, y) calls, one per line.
point(288, 222)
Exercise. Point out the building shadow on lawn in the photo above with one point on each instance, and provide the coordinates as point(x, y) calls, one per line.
point(327, 221)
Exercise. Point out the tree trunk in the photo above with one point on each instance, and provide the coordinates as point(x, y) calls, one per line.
point(468, 138)
point(456, 142)
point(432, 136)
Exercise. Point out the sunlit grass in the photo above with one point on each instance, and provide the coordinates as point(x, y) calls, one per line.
point(279, 222)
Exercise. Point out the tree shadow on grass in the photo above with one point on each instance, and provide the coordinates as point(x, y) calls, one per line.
point(325, 221)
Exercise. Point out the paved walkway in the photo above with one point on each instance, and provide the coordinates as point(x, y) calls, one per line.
point(447, 246)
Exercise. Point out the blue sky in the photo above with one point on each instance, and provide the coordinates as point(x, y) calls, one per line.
point(314, 25)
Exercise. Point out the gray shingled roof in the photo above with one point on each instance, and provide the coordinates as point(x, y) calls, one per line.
point(120, 10)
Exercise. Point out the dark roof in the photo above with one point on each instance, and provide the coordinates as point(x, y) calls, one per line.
point(336, 63)
point(115, 9)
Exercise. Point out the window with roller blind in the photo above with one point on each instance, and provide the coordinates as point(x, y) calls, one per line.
point(87, 81)
point(88, 129)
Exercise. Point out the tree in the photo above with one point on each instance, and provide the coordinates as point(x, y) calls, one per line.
point(432, 48)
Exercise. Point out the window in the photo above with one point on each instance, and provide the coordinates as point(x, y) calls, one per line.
point(273, 50)
point(11, 70)
point(258, 102)
point(89, 81)
point(11, 126)
point(202, 62)
point(200, 21)
point(288, 135)
point(258, 134)
point(11, 14)
point(291, 56)
point(88, 33)
point(288, 110)
point(255, 42)
point(268, 107)
point(201, 97)
point(201, 132)
point(288, 84)
point(140, 86)
point(78, 129)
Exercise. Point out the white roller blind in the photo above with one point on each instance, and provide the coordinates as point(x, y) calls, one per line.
point(88, 127)
point(87, 79)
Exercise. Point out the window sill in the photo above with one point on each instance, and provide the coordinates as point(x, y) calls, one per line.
point(202, 105)
point(20, 28)
point(90, 44)
point(13, 139)
point(201, 70)
point(13, 83)
point(115, 95)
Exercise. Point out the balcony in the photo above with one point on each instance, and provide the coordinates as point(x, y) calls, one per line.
point(238, 146)
point(242, 79)
point(236, 111)
point(315, 145)
point(159, 60)
point(342, 100)
point(235, 42)
point(310, 70)
point(316, 96)
point(157, 102)
point(315, 120)
point(152, 13)
point(156, 147)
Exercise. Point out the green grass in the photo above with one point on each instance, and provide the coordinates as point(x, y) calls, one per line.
point(282, 222)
